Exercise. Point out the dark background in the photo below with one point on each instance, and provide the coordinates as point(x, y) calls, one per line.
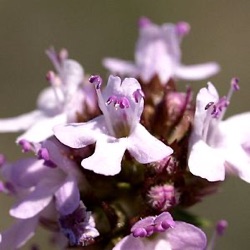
point(91, 30)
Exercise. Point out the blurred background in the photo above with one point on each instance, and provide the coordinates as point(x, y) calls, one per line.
point(92, 30)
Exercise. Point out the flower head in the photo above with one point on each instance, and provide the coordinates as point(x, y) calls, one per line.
point(158, 53)
point(116, 130)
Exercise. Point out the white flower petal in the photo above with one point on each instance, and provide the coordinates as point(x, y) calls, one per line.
point(196, 72)
point(71, 74)
point(145, 148)
point(47, 101)
point(236, 129)
point(206, 162)
point(36, 201)
point(79, 135)
point(186, 236)
point(131, 243)
point(67, 196)
point(21, 122)
point(236, 136)
point(42, 129)
point(107, 157)
point(121, 67)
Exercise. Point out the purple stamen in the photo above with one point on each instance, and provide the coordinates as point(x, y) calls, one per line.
point(235, 84)
point(43, 154)
point(26, 145)
point(182, 28)
point(219, 107)
point(221, 227)
point(97, 80)
point(144, 22)
point(138, 94)
point(124, 103)
point(121, 102)
point(112, 99)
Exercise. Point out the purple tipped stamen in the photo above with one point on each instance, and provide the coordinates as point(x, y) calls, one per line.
point(97, 80)
point(218, 108)
point(124, 103)
point(235, 84)
point(121, 102)
point(182, 28)
point(112, 99)
point(144, 22)
point(138, 95)
point(221, 227)
point(43, 154)
point(26, 145)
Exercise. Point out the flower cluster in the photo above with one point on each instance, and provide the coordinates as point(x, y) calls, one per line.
point(115, 165)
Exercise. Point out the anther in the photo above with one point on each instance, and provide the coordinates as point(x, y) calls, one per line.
point(144, 22)
point(97, 80)
point(112, 99)
point(124, 103)
point(138, 95)
point(182, 28)
point(235, 83)
point(26, 145)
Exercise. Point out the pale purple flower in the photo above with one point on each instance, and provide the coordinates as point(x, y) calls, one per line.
point(55, 105)
point(158, 53)
point(217, 146)
point(117, 130)
point(36, 184)
point(40, 189)
point(162, 232)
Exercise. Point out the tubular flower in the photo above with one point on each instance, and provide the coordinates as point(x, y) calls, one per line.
point(158, 53)
point(217, 146)
point(55, 104)
point(116, 130)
